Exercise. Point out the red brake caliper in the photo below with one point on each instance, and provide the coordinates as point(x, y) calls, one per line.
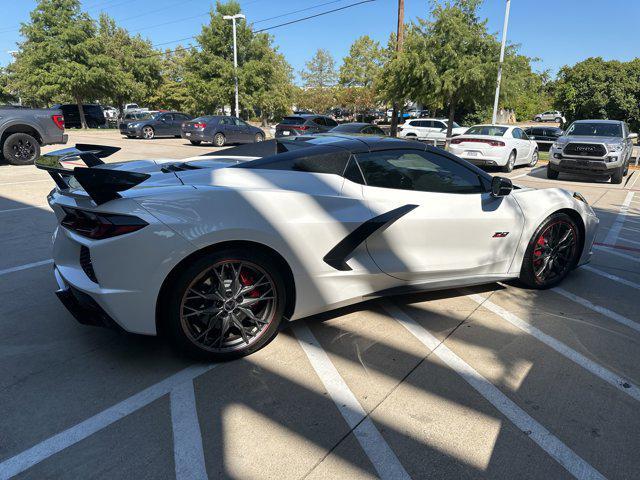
point(248, 280)
point(540, 242)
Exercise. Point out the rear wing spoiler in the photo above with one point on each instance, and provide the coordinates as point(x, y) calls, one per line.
point(101, 184)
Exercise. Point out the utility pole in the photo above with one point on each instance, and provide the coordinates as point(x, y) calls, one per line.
point(235, 54)
point(399, 41)
point(494, 117)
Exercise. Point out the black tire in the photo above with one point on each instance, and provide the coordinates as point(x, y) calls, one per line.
point(21, 149)
point(219, 140)
point(558, 120)
point(552, 174)
point(180, 331)
point(618, 175)
point(148, 133)
point(131, 136)
point(511, 161)
point(259, 137)
point(534, 158)
point(562, 258)
point(195, 142)
point(537, 119)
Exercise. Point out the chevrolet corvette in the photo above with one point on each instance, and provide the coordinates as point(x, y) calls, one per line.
point(217, 252)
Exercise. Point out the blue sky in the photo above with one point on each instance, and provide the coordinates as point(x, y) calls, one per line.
point(558, 32)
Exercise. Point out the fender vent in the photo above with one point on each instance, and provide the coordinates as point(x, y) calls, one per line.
point(85, 263)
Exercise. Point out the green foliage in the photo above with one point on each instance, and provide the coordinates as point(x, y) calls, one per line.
point(6, 93)
point(596, 88)
point(133, 65)
point(61, 57)
point(358, 73)
point(320, 71)
point(173, 92)
point(264, 77)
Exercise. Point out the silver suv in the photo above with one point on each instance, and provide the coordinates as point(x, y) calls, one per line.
point(549, 116)
point(598, 148)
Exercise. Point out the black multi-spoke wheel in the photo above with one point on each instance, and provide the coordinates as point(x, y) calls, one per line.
point(552, 252)
point(21, 149)
point(226, 305)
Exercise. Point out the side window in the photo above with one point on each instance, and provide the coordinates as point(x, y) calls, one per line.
point(225, 121)
point(311, 159)
point(167, 118)
point(239, 122)
point(419, 171)
point(439, 125)
point(330, 122)
point(319, 121)
point(517, 133)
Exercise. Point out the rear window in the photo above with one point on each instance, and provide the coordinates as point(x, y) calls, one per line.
point(292, 121)
point(204, 119)
point(490, 130)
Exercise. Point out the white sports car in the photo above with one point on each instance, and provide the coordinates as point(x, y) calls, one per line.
point(217, 251)
point(504, 146)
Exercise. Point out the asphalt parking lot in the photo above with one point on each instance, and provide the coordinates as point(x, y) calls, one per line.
point(490, 382)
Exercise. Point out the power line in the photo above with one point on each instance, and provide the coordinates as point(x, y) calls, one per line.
point(267, 28)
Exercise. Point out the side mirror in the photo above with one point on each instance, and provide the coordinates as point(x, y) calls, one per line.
point(501, 187)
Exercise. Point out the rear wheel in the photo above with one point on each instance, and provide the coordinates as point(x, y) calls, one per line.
point(195, 142)
point(21, 149)
point(219, 140)
point(226, 304)
point(552, 174)
point(534, 158)
point(258, 138)
point(552, 252)
point(511, 161)
point(558, 120)
point(537, 119)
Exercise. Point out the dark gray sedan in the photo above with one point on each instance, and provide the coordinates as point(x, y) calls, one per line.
point(161, 124)
point(358, 128)
point(220, 130)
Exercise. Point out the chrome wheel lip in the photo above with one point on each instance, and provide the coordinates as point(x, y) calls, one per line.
point(218, 139)
point(147, 132)
point(229, 306)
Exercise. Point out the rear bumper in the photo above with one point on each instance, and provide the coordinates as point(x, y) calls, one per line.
point(54, 139)
point(82, 306)
point(196, 136)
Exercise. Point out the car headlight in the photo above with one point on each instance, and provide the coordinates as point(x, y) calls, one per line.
point(615, 147)
point(557, 145)
point(578, 196)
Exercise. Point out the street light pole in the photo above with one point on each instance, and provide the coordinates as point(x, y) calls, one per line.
point(494, 117)
point(235, 54)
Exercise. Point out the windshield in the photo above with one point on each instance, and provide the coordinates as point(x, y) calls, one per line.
point(292, 121)
point(490, 130)
point(595, 129)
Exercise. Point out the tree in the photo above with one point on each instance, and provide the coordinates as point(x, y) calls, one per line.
point(61, 57)
point(173, 92)
point(447, 61)
point(358, 72)
point(320, 71)
point(596, 88)
point(263, 75)
point(6, 94)
point(134, 66)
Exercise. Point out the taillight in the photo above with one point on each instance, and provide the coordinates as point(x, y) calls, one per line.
point(58, 120)
point(98, 226)
point(493, 143)
point(200, 125)
point(299, 127)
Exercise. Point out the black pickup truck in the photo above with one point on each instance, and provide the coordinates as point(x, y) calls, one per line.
point(24, 130)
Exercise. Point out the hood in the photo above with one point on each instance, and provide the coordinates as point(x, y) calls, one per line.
point(585, 139)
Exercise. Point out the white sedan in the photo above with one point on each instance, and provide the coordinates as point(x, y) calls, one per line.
point(503, 146)
point(215, 252)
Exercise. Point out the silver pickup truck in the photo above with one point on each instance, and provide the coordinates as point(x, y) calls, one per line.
point(24, 130)
point(597, 148)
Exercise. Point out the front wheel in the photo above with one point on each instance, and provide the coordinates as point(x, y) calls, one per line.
point(195, 142)
point(618, 175)
point(534, 158)
point(21, 149)
point(558, 120)
point(225, 305)
point(553, 251)
point(258, 138)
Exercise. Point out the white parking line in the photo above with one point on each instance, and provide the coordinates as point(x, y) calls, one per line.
point(43, 450)
point(26, 181)
point(26, 266)
point(187, 438)
point(614, 231)
point(42, 207)
point(380, 454)
point(566, 457)
point(597, 308)
point(611, 276)
point(621, 239)
point(633, 258)
point(608, 376)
